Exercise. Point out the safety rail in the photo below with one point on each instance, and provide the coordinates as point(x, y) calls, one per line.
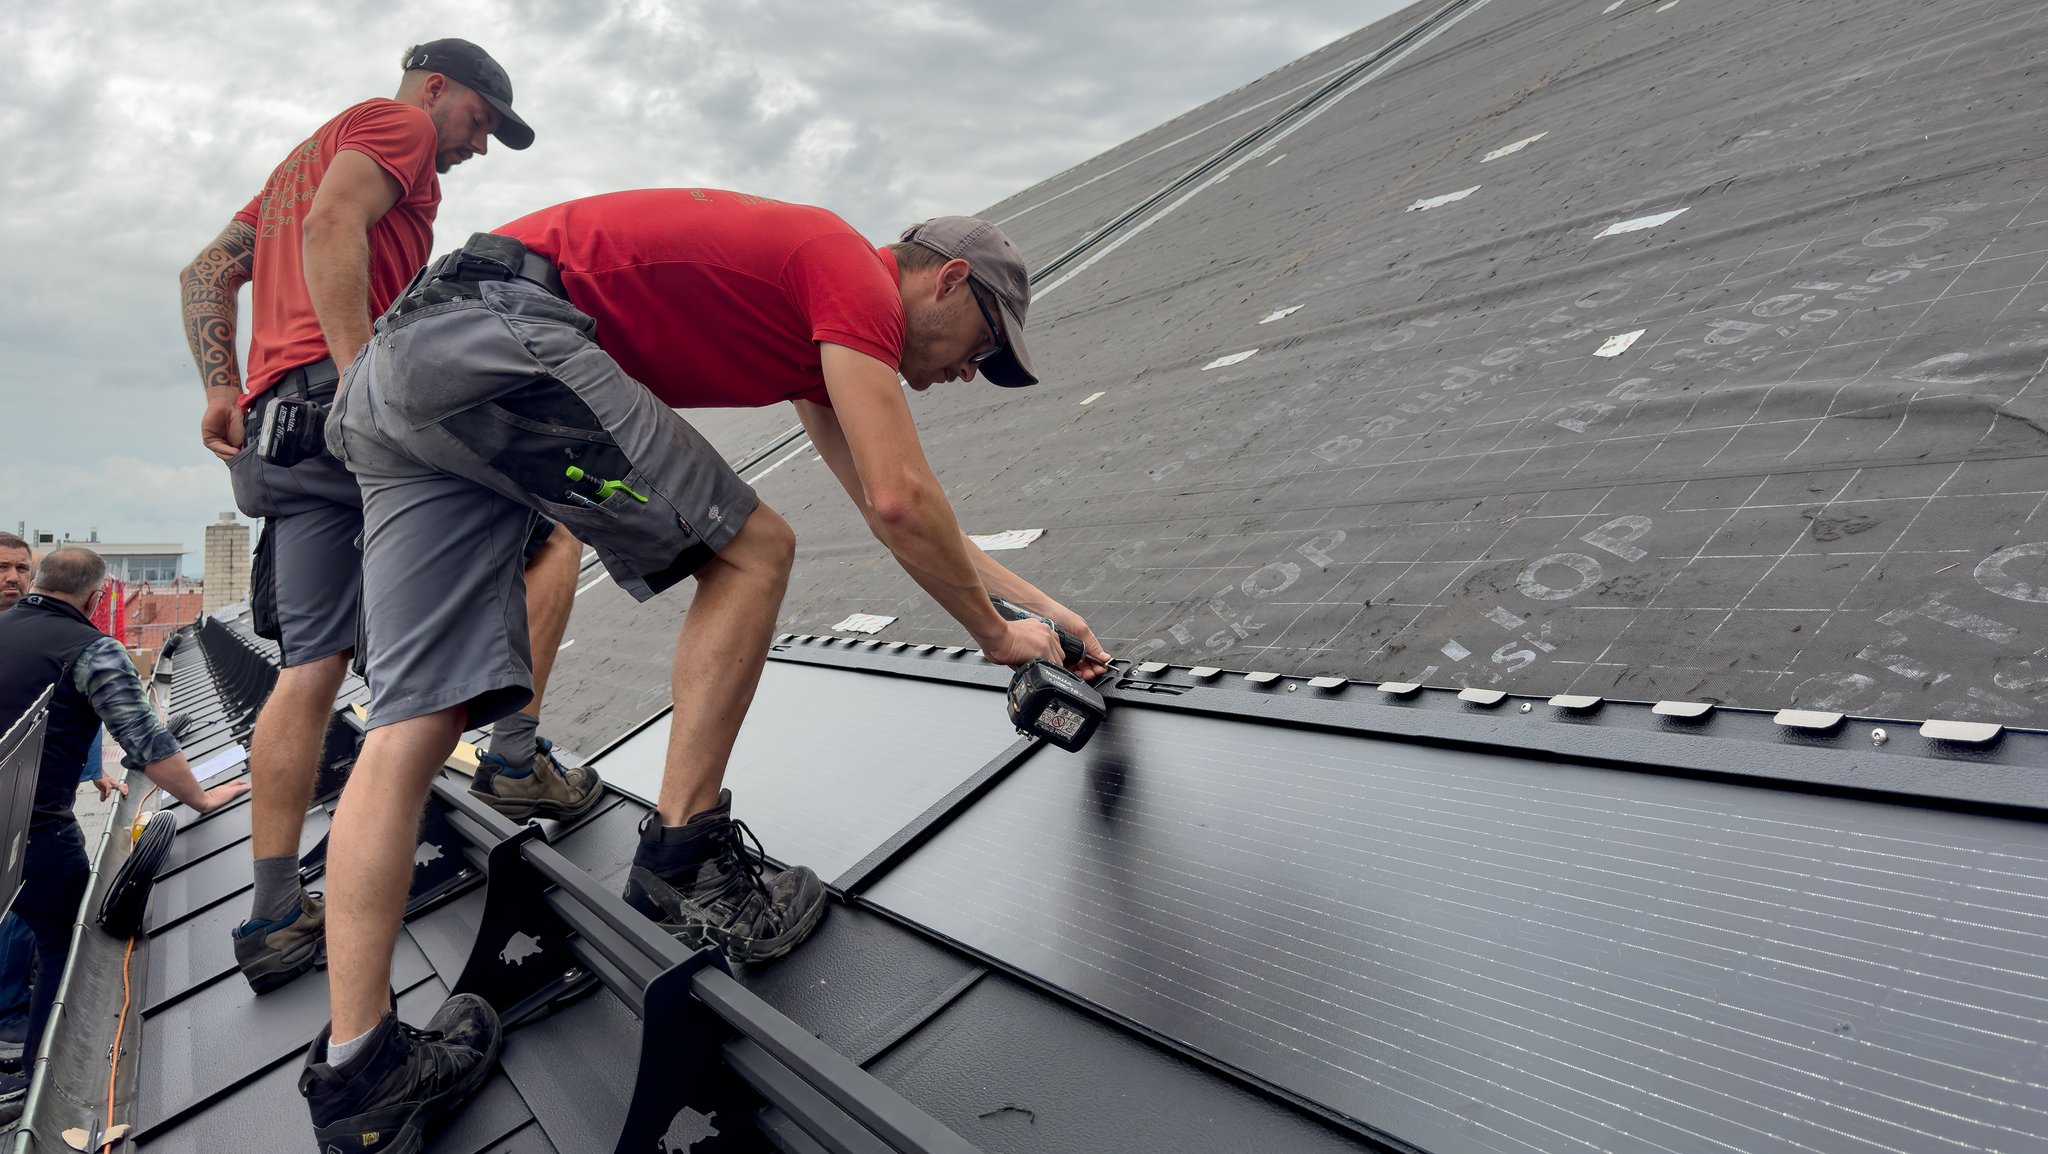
point(242, 676)
point(549, 930)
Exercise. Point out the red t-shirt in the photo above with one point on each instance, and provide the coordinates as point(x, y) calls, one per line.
point(401, 139)
point(718, 299)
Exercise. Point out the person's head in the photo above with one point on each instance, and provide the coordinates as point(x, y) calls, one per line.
point(965, 294)
point(17, 565)
point(73, 573)
point(468, 97)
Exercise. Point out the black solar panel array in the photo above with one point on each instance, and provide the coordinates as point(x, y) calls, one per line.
point(1479, 952)
point(836, 767)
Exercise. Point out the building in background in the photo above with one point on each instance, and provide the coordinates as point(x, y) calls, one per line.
point(159, 563)
point(227, 563)
point(151, 613)
point(149, 596)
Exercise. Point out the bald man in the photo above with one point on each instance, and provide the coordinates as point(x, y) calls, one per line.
point(340, 227)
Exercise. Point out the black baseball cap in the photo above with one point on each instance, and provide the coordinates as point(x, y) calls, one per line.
point(465, 63)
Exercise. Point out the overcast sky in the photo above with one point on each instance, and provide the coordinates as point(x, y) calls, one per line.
point(133, 131)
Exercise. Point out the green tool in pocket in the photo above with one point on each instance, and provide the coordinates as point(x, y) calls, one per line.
point(604, 488)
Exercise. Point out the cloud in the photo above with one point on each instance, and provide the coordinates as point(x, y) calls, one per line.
point(133, 131)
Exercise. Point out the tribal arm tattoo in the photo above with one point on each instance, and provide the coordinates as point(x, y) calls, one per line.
point(209, 285)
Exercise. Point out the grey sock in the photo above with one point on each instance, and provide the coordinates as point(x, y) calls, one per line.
point(277, 887)
point(338, 1053)
point(515, 739)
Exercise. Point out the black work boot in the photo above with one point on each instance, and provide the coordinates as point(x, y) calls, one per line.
point(381, 1100)
point(706, 886)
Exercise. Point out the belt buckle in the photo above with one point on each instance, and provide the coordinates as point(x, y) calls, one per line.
point(497, 269)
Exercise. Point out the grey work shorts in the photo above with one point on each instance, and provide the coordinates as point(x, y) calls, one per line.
point(459, 421)
point(313, 528)
point(313, 514)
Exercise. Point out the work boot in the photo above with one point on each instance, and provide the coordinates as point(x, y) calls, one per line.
point(273, 951)
point(381, 1100)
point(13, 1095)
point(545, 789)
point(706, 886)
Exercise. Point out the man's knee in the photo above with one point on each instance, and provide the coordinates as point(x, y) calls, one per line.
point(766, 542)
point(417, 743)
point(313, 680)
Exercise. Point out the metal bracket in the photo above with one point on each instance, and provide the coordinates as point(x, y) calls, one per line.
point(520, 960)
point(523, 960)
point(682, 1070)
point(439, 869)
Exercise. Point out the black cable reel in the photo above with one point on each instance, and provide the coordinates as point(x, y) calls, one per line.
point(127, 897)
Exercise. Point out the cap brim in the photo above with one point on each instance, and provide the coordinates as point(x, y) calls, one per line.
point(512, 132)
point(1010, 368)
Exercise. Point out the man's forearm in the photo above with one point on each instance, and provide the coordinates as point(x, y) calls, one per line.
point(173, 775)
point(338, 284)
point(1003, 583)
point(207, 288)
point(926, 540)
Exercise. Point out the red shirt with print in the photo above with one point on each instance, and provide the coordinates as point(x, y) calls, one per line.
point(718, 299)
point(401, 139)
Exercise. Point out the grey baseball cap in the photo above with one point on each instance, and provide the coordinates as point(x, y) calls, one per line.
point(465, 63)
point(999, 268)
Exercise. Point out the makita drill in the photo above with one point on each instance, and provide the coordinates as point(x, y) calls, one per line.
point(1047, 701)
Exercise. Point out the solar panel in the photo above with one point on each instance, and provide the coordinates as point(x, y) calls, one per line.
point(21, 751)
point(1488, 953)
point(871, 754)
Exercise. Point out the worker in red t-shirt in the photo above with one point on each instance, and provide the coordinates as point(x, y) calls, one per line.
point(538, 369)
point(339, 229)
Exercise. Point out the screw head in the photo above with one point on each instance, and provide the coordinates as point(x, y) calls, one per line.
point(1526, 707)
point(1878, 736)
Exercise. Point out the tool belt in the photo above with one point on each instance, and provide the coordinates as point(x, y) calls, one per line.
point(307, 381)
point(486, 257)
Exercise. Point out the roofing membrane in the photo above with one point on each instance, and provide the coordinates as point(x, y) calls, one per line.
point(1813, 478)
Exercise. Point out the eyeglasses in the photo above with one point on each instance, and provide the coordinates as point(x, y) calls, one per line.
point(995, 332)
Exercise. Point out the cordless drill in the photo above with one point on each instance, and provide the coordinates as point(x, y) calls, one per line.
point(1047, 701)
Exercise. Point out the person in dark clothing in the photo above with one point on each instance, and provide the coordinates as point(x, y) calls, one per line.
point(17, 946)
point(47, 640)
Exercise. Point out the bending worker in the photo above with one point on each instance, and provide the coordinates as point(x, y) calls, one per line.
point(47, 639)
point(344, 221)
point(566, 339)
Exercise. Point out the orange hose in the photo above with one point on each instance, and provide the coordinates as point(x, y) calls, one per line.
point(114, 1066)
point(121, 1025)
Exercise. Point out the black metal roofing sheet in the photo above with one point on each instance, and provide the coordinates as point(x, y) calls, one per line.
point(205, 1050)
